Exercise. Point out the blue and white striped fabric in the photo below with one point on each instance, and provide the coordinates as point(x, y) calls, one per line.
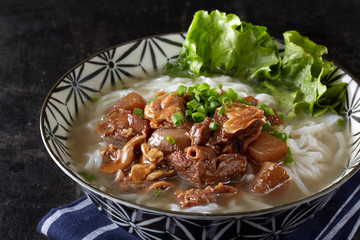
point(339, 220)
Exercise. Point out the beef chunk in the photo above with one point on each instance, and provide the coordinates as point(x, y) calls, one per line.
point(200, 165)
point(159, 111)
point(195, 164)
point(115, 158)
point(129, 102)
point(237, 119)
point(230, 167)
point(238, 127)
point(200, 132)
point(121, 125)
point(201, 197)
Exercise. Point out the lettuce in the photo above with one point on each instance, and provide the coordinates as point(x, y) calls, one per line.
point(301, 86)
point(219, 43)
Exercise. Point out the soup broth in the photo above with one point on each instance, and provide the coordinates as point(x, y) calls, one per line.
point(318, 147)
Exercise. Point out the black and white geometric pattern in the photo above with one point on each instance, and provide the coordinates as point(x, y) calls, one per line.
point(145, 58)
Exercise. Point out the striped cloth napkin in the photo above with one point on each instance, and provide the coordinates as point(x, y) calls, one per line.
point(339, 219)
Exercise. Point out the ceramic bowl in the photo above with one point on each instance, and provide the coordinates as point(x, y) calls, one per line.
point(145, 58)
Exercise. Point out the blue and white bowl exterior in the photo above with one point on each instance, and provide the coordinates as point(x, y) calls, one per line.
point(142, 59)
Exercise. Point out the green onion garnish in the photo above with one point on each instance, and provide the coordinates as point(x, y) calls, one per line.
point(211, 98)
point(197, 97)
point(340, 122)
point(243, 101)
point(288, 159)
point(204, 86)
point(198, 117)
point(170, 140)
point(193, 105)
point(158, 192)
point(201, 109)
point(226, 101)
point(221, 111)
point(231, 94)
point(279, 135)
point(125, 88)
point(267, 110)
point(88, 177)
point(94, 100)
point(181, 90)
point(219, 86)
point(151, 99)
point(214, 104)
point(281, 116)
point(177, 119)
point(213, 126)
point(196, 91)
point(139, 112)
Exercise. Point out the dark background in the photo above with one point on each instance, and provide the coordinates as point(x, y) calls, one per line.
point(41, 40)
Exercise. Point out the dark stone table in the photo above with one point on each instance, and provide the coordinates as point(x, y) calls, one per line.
point(40, 40)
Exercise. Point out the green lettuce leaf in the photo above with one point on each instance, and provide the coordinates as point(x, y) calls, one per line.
point(302, 78)
point(218, 43)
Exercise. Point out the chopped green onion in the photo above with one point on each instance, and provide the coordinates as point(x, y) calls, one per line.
point(215, 92)
point(151, 99)
point(170, 140)
point(231, 94)
point(158, 192)
point(94, 100)
point(88, 177)
point(188, 115)
point(197, 97)
point(212, 98)
point(170, 93)
point(190, 89)
point(213, 126)
point(204, 86)
point(201, 109)
point(219, 86)
point(340, 123)
point(214, 104)
point(181, 90)
point(279, 135)
point(139, 112)
point(193, 105)
point(198, 117)
point(267, 110)
point(288, 159)
point(281, 116)
point(266, 127)
point(177, 119)
point(125, 88)
point(243, 101)
point(196, 91)
point(221, 111)
point(226, 101)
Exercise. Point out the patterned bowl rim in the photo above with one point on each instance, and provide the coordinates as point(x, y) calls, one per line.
point(85, 184)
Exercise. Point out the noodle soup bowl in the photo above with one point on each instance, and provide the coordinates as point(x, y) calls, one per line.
point(114, 68)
